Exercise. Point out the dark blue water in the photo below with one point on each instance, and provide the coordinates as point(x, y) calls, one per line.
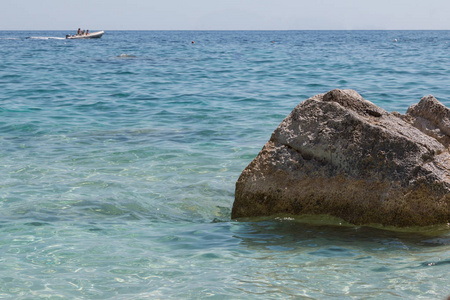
point(118, 159)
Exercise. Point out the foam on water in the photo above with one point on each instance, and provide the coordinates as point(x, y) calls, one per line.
point(46, 38)
point(117, 175)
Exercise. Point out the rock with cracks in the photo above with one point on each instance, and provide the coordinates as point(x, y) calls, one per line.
point(340, 155)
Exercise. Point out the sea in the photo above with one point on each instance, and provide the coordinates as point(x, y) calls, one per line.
point(119, 158)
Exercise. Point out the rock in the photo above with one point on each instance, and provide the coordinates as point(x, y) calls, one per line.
point(338, 154)
point(432, 118)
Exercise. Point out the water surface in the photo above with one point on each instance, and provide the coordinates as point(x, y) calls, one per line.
point(118, 159)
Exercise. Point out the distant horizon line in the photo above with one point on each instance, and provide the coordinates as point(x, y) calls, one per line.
point(231, 29)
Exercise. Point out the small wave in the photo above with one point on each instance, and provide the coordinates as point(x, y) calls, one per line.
point(123, 55)
point(9, 38)
point(437, 263)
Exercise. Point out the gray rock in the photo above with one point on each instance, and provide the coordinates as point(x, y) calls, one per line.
point(338, 154)
point(432, 118)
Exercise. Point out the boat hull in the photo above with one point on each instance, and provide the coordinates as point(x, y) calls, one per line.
point(94, 35)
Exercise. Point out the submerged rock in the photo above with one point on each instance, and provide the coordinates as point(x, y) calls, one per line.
point(340, 155)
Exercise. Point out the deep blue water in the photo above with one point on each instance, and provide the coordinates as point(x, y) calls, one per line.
point(118, 159)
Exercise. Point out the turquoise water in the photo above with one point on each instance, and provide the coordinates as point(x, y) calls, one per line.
point(118, 159)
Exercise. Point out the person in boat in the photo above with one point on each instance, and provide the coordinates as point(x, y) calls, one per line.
point(87, 32)
point(79, 31)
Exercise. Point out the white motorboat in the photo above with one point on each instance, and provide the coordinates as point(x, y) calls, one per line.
point(93, 35)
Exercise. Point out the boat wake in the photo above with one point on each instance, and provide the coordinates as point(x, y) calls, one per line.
point(46, 38)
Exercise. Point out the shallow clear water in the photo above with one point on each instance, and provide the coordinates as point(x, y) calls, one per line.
point(118, 159)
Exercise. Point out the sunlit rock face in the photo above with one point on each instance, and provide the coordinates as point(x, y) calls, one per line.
point(341, 155)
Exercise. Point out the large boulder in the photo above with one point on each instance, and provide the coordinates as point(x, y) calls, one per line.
point(338, 154)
